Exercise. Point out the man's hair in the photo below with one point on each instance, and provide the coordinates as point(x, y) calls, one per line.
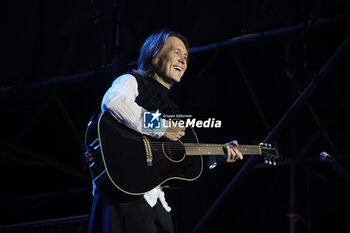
point(151, 49)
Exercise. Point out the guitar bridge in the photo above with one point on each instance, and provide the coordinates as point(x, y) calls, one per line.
point(149, 156)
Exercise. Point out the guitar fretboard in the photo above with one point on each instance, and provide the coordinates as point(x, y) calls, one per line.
point(218, 149)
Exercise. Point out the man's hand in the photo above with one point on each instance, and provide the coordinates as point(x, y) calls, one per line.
point(232, 154)
point(174, 133)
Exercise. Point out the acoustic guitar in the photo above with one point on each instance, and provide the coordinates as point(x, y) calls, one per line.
point(126, 164)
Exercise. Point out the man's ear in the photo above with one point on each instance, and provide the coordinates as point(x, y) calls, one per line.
point(156, 61)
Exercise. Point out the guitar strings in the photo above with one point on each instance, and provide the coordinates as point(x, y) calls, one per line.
point(176, 147)
point(179, 145)
point(201, 144)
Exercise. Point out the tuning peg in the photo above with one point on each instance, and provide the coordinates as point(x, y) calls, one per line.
point(270, 161)
point(266, 161)
point(270, 145)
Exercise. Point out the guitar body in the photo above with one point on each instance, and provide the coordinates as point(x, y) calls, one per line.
point(126, 175)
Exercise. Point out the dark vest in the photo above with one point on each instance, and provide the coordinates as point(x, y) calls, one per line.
point(153, 96)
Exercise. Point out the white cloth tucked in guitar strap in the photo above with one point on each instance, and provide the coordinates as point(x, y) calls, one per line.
point(151, 197)
point(155, 194)
point(119, 100)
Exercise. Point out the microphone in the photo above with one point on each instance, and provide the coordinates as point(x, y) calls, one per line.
point(332, 163)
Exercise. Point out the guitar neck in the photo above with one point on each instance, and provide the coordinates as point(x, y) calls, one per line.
point(218, 149)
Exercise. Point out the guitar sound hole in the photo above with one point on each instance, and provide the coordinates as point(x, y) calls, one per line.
point(174, 151)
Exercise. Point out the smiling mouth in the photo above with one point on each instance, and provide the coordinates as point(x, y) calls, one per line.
point(178, 68)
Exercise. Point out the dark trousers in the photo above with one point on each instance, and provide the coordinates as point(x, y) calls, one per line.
point(136, 217)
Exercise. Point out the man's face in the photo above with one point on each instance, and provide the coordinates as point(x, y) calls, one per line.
point(172, 61)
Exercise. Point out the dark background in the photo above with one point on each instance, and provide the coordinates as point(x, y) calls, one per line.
point(59, 57)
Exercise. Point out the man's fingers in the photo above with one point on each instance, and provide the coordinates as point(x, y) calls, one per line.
point(233, 154)
point(238, 154)
point(178, 135)
point(229, 154)
point(180, 129)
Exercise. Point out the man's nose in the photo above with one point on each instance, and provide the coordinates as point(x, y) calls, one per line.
point(182, 60)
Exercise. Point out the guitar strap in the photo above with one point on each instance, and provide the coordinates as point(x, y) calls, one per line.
point(92, 146)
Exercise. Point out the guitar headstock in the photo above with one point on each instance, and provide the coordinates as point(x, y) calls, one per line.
point(270, 153)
